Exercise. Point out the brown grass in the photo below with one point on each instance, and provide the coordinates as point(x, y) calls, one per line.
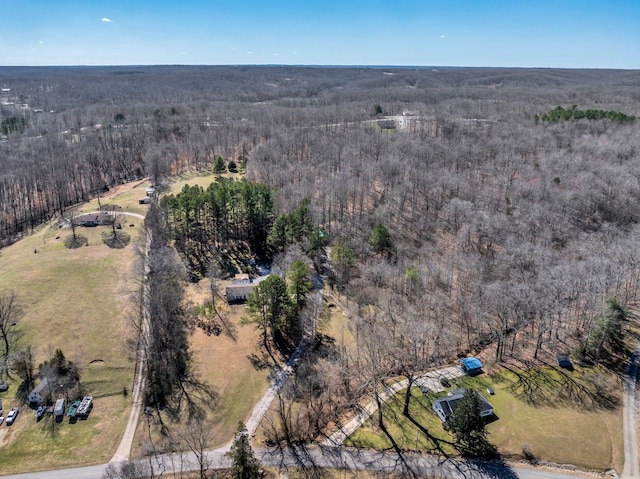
point(75, 300)
point(222, 362)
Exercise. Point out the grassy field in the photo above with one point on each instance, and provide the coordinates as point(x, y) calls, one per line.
point(202, 179)
point(75, 300)
point(545, 411)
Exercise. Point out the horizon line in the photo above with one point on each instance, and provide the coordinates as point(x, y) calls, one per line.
point(319, 65)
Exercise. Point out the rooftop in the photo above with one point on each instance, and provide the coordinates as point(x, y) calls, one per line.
point(471, 363)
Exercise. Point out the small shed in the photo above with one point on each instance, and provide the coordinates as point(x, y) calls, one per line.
point(38, 394)
point(564, 361)
point(471, 366)
point(150, 190)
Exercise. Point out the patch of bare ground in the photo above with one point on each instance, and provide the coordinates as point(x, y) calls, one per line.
point(119, 190)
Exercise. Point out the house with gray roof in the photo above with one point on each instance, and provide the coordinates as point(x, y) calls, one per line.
point(445, 407)
point(240, 289)
point(37, 396)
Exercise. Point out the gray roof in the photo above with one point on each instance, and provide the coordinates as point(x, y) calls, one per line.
point(243, 287)
point(38, 389)
point(450, 402)
point(240, 289)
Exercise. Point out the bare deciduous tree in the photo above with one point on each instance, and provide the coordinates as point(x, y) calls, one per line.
point(10, 314)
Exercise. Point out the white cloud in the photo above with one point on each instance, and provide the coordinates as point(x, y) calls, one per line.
point(443, 36)
point(249, 53)
point(40, 42)
point(105, 20)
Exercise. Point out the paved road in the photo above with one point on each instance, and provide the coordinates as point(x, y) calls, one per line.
point(631, 466)
point(339, 458)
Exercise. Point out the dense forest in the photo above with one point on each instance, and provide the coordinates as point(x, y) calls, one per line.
point(498, 228)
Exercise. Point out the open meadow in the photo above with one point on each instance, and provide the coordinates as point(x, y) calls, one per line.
point(75, 300)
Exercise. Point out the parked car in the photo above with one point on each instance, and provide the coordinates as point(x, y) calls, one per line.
point(1, 419)
point(73, 409)
point(490, 390)
point(40, 412)
point(12, 416)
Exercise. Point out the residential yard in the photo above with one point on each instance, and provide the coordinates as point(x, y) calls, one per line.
point(45, 445)
point(126, 196)
point(545, 411)
point(75, 300)
point(224, 363)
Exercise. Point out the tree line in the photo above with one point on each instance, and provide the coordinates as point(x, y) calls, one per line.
point(226, 215)
point(572, 113)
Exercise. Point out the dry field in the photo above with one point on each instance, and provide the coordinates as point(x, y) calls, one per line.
point(223, 363)
point(76, 300)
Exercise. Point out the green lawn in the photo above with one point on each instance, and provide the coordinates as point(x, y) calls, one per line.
point(545, 410)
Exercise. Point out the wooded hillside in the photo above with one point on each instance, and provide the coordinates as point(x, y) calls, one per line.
point(498, 223)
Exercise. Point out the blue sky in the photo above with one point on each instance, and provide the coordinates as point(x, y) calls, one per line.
point(542, 33)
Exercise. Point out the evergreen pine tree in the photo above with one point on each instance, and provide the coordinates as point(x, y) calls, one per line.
point(467, 425)
point(245, 465)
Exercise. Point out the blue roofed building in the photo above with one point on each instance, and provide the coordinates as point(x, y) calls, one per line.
point(471, 366)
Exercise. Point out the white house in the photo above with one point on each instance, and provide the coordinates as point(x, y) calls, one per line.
point(39, 393)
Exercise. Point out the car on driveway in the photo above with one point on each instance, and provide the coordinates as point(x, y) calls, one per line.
point(12, 416)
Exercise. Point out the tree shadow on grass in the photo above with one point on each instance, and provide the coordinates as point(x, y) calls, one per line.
point(258, 363)
point(22, 393)
point(76, 242)
point(118, 240)
point(552, 386)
